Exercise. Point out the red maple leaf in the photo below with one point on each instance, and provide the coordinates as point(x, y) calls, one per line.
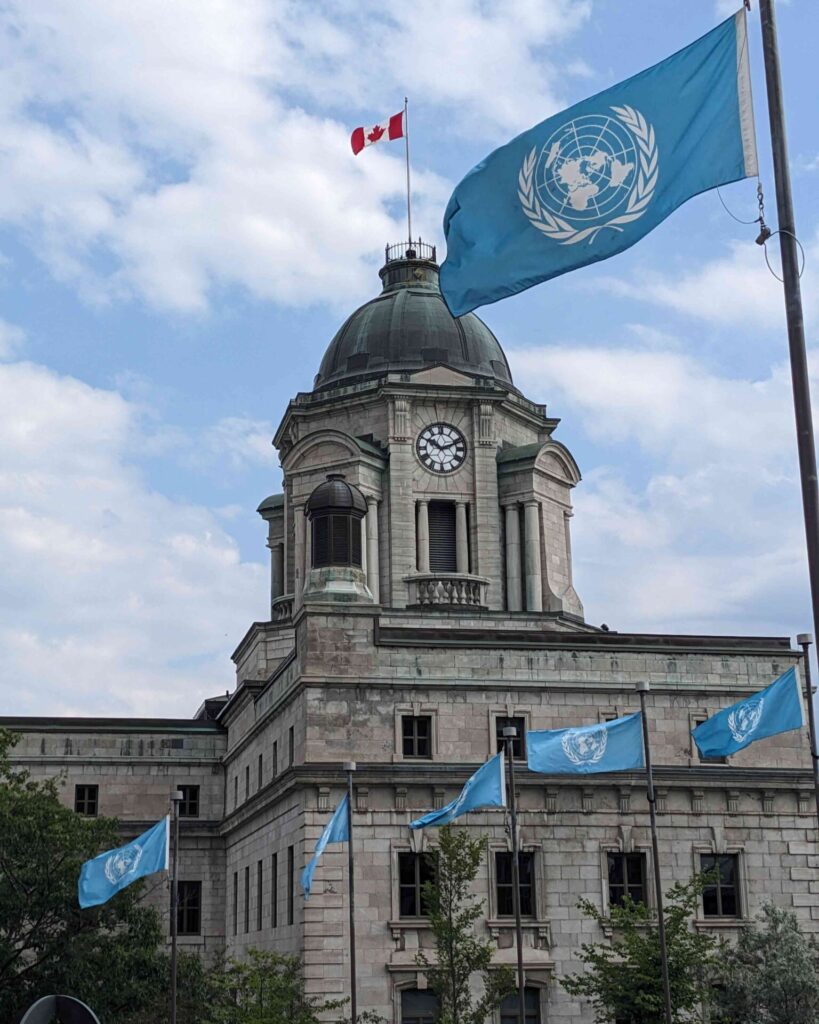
point(376, 133)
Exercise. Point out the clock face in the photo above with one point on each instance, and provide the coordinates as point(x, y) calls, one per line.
point(441, 448)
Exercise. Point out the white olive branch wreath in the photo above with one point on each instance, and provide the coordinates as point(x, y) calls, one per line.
point(640, 196)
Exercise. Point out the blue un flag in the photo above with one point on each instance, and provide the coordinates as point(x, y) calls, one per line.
point(606, 747)
point(486, 788)
point(337, 830)
point(104, 876)
point(594, 179)
point(777, 708)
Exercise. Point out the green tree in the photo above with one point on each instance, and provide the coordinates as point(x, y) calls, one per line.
point(453, 912)
point(771, 976)
point(265, 988)
point(109, 956)
point(622, 978)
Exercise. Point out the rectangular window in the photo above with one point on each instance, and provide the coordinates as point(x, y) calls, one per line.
point(414, 869)
point(519, 742)
point(531, 1007)
point(247, 782)
point(261, 771)
point(274, 891)
point(721, 898)
point(419, 1006)
point(247, 899)
point(290, 889)
point(86, 800)
point(416, 731)
point(504, 888)
point(274, 761)
point(627, 876)
point(189, 908)
point(700, 758)
point(235, 902)
point(291, 747)
point(235, 791)
point(442, 552)
point(259, 894)
point(189, 804)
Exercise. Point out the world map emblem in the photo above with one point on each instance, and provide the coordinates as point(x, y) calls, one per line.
point(122, 863)
point(594, 172)
point(585, 746)
point(743, 721)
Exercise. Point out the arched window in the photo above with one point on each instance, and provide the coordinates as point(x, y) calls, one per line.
point(419, 1007)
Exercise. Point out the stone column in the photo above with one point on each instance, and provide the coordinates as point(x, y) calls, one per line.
point(461, 538)
point(308, 548)
point(534, 583)
point(276, 570)
point(422, 536)
point(371, 522)
point(513, 594)
point(299, 531)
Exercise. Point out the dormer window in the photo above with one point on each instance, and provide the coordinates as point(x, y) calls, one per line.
point(335, 510)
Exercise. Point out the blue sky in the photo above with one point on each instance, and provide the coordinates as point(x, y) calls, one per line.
point(183, 228)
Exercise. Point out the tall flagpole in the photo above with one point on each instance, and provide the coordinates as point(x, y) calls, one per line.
point(406, 148)
point(349, 768)
point(509, 734)
point(176, 798)
point(805, 640)
point(642, 688)
point(793, 301)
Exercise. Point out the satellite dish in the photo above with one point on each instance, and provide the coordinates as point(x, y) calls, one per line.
point(66, 1009)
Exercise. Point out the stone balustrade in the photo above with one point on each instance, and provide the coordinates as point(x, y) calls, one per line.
point(281, 610)
point(452, 589)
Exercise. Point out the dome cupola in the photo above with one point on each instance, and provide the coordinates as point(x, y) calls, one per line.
point(408, 326)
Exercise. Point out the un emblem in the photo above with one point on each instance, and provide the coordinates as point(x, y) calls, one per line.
point(744, 720)
point(594, 172)
point(122, 863)
point(585, 746)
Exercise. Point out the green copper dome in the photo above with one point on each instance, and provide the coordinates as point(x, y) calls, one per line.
point(407, 327)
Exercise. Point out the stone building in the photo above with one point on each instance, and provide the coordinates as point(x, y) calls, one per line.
point(421, 600)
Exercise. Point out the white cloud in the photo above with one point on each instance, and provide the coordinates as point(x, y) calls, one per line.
point(160, 149)
point(737, 289)
point(702, 531)
point(242, 441)
point(12, 338)
point(115, 599)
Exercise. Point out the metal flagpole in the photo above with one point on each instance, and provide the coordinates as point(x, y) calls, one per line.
point(509, 734)
point(793, 301)
point(406, 148)
point(642, 688)
point(349, 768)
point(176, 798)
point(805, 640)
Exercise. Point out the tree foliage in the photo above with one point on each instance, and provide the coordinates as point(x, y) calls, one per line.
point(453, 913)
point(108, 956)
point(622, 978)
point(265, 988)
point(771, 976)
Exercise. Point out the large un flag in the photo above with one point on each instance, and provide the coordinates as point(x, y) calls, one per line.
point(594, 179)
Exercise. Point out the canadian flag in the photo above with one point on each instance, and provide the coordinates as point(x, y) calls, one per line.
point(392, 128)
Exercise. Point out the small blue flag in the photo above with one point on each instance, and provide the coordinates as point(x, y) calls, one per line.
point(607, 747)
point(594, 179)
point(335, 831)
point(777, 708)
point(104, 876)
point(486, 788)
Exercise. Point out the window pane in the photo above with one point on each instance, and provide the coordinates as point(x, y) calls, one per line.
point(709, 902)
point(729, 902)
point(531, 1007)
point(519, 742)
point(419, 1007)
point(615, 868)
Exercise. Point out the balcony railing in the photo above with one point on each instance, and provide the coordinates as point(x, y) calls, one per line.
point(447, 589)
point(281, 610)
point(410, 251)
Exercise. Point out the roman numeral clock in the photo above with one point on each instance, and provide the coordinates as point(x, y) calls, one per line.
point(441, 448)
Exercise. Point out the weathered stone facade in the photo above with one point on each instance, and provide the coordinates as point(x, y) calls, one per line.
point(330, 677)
